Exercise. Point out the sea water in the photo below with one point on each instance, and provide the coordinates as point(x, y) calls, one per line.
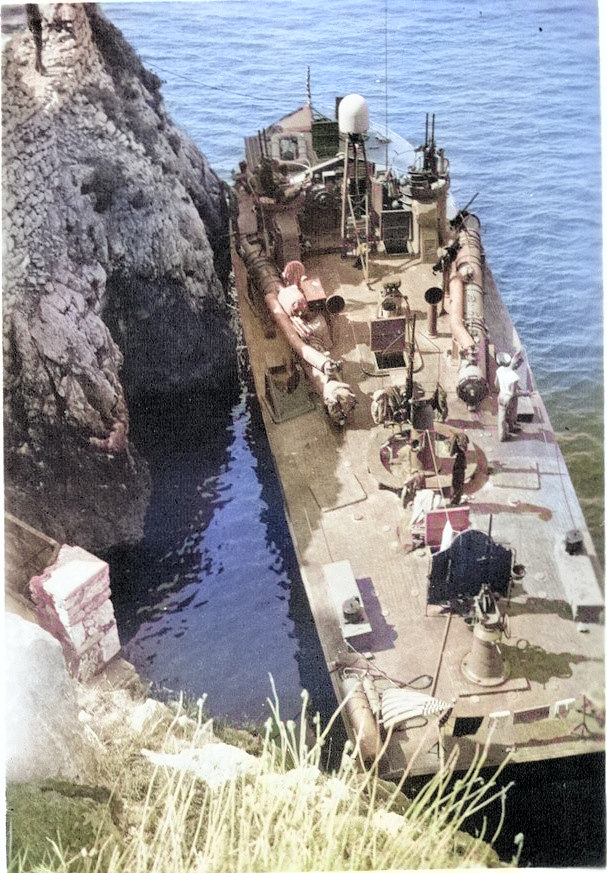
point(211, 601)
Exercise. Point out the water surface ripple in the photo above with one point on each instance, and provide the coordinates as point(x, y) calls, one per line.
point(211, 600)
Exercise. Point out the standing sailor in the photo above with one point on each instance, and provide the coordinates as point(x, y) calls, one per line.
point(457, 450)
point(507, 383)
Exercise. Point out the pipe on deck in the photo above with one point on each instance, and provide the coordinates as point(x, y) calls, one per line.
point(337, 396)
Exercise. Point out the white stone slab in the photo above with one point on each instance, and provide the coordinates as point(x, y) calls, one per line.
point(68, 577)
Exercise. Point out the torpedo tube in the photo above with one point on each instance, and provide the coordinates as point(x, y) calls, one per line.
point(466, 290)
point(321, 369)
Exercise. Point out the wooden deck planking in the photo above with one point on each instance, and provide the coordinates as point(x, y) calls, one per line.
point(358, 522)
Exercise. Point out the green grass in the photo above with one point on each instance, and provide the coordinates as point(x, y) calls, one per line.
point(286, 816)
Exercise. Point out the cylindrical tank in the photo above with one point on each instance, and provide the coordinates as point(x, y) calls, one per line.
point(353, 114)
point(467, 312)
point(362, 721)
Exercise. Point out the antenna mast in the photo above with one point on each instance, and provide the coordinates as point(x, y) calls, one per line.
point(386, 73)
point(309, 88)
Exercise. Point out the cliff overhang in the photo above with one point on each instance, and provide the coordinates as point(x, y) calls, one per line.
point(115, 270)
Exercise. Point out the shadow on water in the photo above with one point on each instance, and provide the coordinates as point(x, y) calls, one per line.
point(211, 600)
point(559, 807)
point(184, 439)
point(310, 658)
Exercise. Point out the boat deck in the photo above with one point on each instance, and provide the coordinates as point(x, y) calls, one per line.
point(519, 490)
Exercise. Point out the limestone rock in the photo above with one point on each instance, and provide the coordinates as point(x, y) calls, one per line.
point(146, 714)
point(115, 265)
point(214, 763)
point(43, 737)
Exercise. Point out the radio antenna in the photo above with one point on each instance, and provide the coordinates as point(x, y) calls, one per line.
point(386, 73)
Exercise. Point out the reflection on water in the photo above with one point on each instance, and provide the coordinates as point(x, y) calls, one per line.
point(211, 600)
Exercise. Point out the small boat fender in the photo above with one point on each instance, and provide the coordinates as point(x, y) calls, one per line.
point(360, 716)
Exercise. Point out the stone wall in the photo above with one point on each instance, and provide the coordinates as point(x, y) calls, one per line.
point(73, 603)
point(114, 265)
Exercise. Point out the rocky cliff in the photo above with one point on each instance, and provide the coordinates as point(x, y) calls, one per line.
point(115, 266)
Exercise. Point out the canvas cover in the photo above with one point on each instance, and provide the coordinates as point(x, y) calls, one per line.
point(472, 559)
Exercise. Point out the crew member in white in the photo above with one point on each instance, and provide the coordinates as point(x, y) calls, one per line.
point(508, 384)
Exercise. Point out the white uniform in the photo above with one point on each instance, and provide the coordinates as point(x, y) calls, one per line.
point(507, 382)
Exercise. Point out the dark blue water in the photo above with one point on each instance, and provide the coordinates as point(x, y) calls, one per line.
point(211, 601)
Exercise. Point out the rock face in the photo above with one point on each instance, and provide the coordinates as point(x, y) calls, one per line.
point(115, 263)
point(43, 735)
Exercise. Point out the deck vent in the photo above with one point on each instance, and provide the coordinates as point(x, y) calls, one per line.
point(574, 542)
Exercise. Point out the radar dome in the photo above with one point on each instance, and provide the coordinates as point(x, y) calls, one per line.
point(353, 114)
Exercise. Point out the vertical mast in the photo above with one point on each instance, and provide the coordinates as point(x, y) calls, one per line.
point(386, 73)
point(353, 121)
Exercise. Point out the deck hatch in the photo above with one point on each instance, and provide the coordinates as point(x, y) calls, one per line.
point(343, 587)
point(389, 341)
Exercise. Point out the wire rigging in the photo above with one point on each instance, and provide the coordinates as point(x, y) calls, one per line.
point(256, 97)
point(386, 72)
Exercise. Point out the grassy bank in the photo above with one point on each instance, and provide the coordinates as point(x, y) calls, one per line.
point(280, 813)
